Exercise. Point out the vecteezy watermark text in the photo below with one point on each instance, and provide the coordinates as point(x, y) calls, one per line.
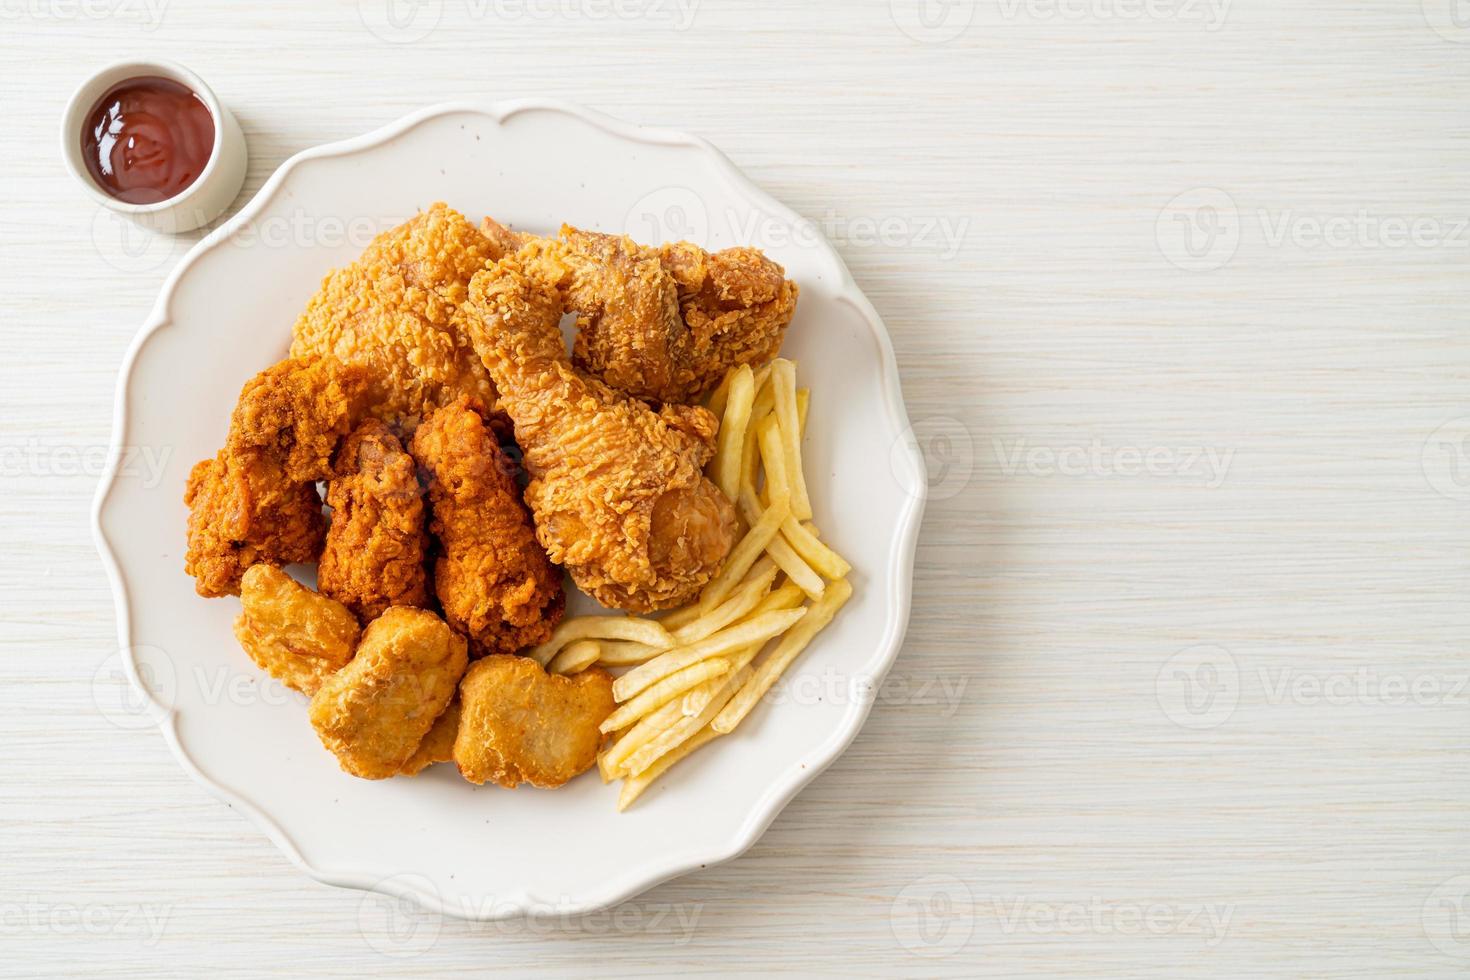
point(1098, 459)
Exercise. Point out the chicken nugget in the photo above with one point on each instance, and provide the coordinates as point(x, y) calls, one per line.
point(520, 724)
point(298, 637)
point(374, 713)
point(438, 745)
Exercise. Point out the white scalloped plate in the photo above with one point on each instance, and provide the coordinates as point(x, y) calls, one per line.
point(226, 312)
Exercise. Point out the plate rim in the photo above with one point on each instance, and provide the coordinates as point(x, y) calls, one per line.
point(785, 786)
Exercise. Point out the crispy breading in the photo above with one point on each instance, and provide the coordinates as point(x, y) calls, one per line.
point(298, 637)
point(662, 323)
point(438, 745)
point(519, 724)
point(492, 577)
point(256, 501)
point(374, 713)
point(391, 311)
point(618, 490)
point(374, 552)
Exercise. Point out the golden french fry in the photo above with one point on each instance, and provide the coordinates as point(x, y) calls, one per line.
point(601, 628)
point(783, 382)
point(788, 596)
point(675, 618)
point(684, 729)
point(650, 725)
point(618, 653)
point(750, 591)
point(803, 400)
point(803, 539)
point(575, 657)
point(773, 458)
point(718, 398)
point(819, 614)
point(634, 787)
point(743, 555)
point(659, 694)
point(757, 629)
point(795, 568)
point(732, 431)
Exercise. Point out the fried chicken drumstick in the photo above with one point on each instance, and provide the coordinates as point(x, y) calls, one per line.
point(617, 489)
point(492, 578)
point(660, 323)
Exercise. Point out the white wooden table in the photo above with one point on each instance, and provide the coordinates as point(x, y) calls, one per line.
point(1179, 293)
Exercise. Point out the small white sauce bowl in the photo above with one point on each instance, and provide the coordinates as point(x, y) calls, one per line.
point(199, 203)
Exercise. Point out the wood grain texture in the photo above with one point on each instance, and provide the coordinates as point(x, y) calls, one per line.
point(1185, 689)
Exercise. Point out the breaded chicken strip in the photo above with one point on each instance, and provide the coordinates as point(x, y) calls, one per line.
point(618, 490)
point(519, 724)
point(298, 637)
point(374, 713)
point(494, 581)
point(391, 311)
point(256, 501)
point(663, 324)
point(374, 554)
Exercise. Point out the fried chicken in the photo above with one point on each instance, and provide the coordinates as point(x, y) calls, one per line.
point(374, 713)
point(494, 581)
point(438, 745)
point(519, 724)
point(663, 324)
point(617, 489)
point(256, 500)
point(391, 311)
point(298, 637)
point(374, 553)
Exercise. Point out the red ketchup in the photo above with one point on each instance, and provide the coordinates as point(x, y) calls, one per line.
point(147, 140)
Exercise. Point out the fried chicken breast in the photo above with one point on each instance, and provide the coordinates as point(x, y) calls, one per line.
point(298, 637)
point(375, 544)
point(519, 724)
point(491, 576)
point(374, 713)
point(618, 490)
point(256, 501)
point(391, 312)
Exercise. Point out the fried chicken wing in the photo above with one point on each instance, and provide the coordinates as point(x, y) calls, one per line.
point(391, 312)
point(617, 489)
point(374, 713)
point(298, 637)
point(493, 579)
point(663, 324)
point(256, 500)
point(375, 545)
point(519, 724)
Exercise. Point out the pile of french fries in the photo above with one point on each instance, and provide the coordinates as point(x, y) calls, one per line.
point(694, 674)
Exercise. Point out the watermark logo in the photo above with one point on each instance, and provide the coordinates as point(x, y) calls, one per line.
point(1099, 917)
point(1445, 459)
point(400, 21)
point(394, 924)
point(1198, 688)
point(1199, 230)
point(1208, 14)
point(38, 918)
point(146, 13)
point(1450, 19)
point(1206, 464)
point(932, 21)
point(1446, 917)
point(668, 214)
point(127, 246)
point(121, 701)
point(933, 917)
point(948, 451)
